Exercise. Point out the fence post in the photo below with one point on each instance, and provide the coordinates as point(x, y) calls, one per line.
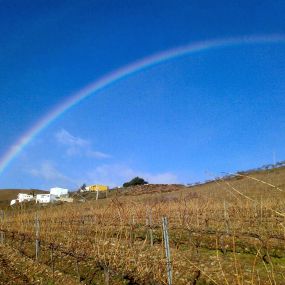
point(167, 250)
point(106, 275)
point(77, 269)
point(261, 209)
point(226, 217)
point(2, 226)
point(132, 229)
point(149, 224)
point(52, 260)
point(37, 226)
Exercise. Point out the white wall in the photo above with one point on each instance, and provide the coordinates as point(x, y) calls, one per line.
point(57, 191)
point(45, 198)
point(24, 197)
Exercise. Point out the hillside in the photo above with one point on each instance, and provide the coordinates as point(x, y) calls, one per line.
point(252, 183)
point(6, 195)
point(226, 231)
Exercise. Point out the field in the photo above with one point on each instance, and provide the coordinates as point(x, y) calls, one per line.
point(228, 231)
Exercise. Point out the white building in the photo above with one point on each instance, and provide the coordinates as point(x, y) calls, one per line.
point(45, 198)
point(58, 192)
point(13, 202)
point(24, 197)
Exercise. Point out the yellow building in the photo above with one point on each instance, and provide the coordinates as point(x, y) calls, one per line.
point(97, 187)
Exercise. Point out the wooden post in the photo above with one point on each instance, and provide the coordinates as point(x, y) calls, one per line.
point(149, 222)
point(132, 229)
point(2, 227)
point(226, 217)
point(261, 209)
point(106, 275)
point(226, 220)
point(167, 250)
point(52, 261)
point(77, 269)
point(37, 226)
point(133, 219)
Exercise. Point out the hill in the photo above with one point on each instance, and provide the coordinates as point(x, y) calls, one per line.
point(226, 231)
point(6, 195)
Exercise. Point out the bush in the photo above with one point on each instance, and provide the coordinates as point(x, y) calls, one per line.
point(135, 181)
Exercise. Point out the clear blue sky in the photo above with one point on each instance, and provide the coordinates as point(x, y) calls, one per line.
point(183, 120)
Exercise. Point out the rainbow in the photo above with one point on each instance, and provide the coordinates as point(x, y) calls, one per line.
point(122, 73)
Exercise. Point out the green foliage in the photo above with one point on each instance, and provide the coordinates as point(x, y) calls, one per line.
point(135, 181)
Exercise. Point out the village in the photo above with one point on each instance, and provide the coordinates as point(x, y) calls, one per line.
point(58, 194)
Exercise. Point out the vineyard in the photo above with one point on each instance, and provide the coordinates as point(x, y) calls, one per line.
point(229, 231)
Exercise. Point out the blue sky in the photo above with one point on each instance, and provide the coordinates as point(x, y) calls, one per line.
point(183, 120)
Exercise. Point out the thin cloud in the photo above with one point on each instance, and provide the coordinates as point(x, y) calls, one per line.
point(76, 146)
point(97, 154)
point(66, 138)
point(50, 173)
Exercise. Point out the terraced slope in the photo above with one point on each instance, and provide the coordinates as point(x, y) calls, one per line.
point(230, 231)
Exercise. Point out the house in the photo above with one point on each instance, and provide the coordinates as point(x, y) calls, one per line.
point(98, 189)
point(58, 192)
point(24, 197)
point(95, 188)
point(45, 198)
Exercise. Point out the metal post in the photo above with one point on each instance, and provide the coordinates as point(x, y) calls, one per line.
point(37, 226)
point(167, 250)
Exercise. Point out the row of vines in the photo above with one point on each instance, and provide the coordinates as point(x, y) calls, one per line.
point(216, 236)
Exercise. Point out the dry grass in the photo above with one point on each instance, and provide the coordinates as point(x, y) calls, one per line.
point(224, 232)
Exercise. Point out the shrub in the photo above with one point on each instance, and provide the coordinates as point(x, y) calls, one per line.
point(135, 181)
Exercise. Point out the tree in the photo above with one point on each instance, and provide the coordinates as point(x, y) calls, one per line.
point(83, 187)
point(135, 181)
